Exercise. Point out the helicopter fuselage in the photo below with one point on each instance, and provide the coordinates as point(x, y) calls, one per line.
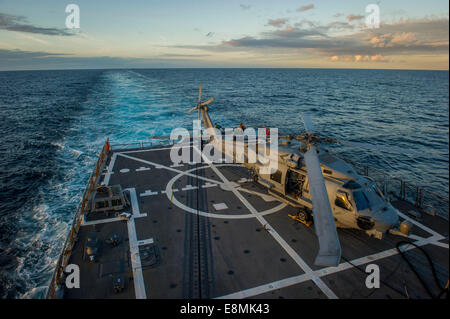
point(355, 200)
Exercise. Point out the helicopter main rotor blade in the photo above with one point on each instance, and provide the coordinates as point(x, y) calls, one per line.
point(309, 127)
point(390, 149)
point(329, 246)
point(192, 109)
point(207, 102)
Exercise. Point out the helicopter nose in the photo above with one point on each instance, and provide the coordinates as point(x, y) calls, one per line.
point(395, 221)
point(387, 218)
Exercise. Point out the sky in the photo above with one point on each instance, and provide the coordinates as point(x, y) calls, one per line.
point(228, 33)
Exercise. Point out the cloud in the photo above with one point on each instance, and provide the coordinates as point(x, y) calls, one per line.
point(411, 37)
point(340, 41)
point(245, 6)
point(338, 25)
point(306, 8)
point(352, 17)
point(18, 23)
point(27, 60)
point(337, 15)
point(404, 38)
point(378, 58)
point(32, 38)
point(19, 54)
point(277, 22)
point(397, 39)
point(174, 55)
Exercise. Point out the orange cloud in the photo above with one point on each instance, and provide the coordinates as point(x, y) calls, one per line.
point(358, 58)
point(306, 8)
point(405, 38)
point(352, 17)
point(277, 22)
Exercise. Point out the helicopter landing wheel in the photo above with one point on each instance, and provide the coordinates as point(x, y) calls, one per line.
point(253, 175)
point(303, 215)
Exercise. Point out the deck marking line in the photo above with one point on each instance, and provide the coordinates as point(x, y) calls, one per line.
point(145, 242)
point(266, 198)
point(138, 278)
point(303, 265)
point(189, 187)
point(206, 185)
point(173, 191)
point(100, 221)
point(437, 243)
point(443, 245)
point(267, 287)
point(322, 272)
point(110, 169)
point(171, 169)
point(220, 206)
point(153, 149)
point(425, 228)
point(148, 193)
point(185, 208)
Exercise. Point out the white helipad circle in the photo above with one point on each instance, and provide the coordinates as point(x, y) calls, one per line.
point(124, 170)
point(212, 215)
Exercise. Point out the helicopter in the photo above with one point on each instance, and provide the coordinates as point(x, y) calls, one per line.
point(327, 191)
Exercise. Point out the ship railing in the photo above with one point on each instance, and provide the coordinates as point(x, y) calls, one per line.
point(395, 188)
point(155, 141)
point(142, 145)
point(58, 275)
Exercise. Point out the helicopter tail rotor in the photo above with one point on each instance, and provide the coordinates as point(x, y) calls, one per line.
point(200, 104)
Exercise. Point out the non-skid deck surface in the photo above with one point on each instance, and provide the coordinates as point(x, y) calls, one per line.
point(206, 231)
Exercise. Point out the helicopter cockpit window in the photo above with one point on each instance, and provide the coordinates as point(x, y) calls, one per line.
point(374, 196)
point(361, 200)
point(342, 201)
point(377, 190)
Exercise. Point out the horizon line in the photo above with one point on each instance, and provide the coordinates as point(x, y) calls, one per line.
point(212, 68)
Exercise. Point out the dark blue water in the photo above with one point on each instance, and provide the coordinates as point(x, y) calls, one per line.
point(55, 122)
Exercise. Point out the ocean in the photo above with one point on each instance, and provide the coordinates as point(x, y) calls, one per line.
point(54, 123)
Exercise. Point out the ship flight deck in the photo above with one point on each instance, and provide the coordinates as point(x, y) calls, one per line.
point(200, 230)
